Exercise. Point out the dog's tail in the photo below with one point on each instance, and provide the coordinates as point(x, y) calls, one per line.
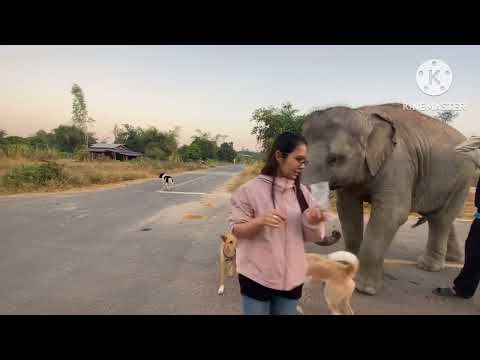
point(350, 259)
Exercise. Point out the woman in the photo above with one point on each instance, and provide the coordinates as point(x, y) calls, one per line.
point(272, 216)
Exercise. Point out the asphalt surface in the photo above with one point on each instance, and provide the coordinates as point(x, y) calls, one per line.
point(135, 250)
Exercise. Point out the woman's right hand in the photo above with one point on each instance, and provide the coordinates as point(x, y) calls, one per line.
point(273, 218)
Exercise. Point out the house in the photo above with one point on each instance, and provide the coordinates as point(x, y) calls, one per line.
point(115, 151)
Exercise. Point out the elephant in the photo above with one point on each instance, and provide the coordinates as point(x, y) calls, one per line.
point(400, 161)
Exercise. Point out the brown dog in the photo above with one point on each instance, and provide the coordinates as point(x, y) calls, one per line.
point(336, 271)
point(228, 249)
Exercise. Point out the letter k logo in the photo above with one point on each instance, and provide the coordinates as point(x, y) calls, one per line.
point(433, 77)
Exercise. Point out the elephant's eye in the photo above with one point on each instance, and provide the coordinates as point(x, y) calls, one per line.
point(334, 159)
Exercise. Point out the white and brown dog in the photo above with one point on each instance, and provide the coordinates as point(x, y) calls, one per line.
point(336, 271)
point(228, 250)
point(167, 181)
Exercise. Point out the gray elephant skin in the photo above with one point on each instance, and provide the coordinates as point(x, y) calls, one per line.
point(400, 161)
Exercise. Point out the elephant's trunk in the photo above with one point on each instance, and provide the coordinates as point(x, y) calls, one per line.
point(315, 173)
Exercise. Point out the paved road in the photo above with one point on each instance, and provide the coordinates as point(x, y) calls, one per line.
point(86, 253)
point(130, 250)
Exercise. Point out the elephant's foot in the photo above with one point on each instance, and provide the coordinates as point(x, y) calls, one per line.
point(455, 258)
point(428, 263)
point(367, 284)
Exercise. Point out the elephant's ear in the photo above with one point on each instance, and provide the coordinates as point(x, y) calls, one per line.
point(380, 142)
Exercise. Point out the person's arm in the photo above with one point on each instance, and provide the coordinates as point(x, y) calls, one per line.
point(251, 228)
point(242, 221)
point(246, 230)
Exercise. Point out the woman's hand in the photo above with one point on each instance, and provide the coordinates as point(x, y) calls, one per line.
point(273, 218)
point(250, 229)
point(316, 215)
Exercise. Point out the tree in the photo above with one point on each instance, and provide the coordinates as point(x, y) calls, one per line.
point(227, 152)
point(165, 141)
point(3, 134)
point(447, 116)
point(80, 116)
point(130, 136)
point(154, 151)
point(208, 149)
point(183, 152)
point(194, 152)
point(272, 121)
point(70, 138)
point(15, 140)
point(42, 139)
point(207, 145)
point(245, 153)
point(151, 141)
point(220, 138)
point(116, 134)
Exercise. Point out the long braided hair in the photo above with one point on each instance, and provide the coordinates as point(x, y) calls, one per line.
point(285, 143)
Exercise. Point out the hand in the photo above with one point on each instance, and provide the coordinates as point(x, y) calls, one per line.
point(273, 218)
point(316, 215)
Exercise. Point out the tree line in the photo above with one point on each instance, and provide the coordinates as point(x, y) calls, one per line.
point(163, 145)
point(151, 142)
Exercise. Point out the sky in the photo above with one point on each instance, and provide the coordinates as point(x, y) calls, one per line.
point(217, 88)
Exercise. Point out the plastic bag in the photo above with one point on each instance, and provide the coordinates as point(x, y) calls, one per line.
point(320, 192)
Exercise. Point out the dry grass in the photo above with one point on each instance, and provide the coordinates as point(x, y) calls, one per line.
point(80, 174)
point(250, 172)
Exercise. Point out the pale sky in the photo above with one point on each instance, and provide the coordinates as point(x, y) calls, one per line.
point(216, 88)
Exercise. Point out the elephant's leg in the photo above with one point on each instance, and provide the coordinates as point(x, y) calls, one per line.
point(434, 257)
point(441, 247)
point(381, 229)
point(454, 250)
point(350, 212)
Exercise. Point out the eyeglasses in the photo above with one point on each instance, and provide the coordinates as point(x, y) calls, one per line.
point(302, 162)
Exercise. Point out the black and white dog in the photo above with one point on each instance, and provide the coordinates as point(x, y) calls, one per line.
point(167, 182)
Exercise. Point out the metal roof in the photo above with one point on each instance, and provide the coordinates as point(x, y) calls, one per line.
point(113, 148)
point(106, 146)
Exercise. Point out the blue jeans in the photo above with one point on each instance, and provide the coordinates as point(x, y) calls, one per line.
point(276, 306)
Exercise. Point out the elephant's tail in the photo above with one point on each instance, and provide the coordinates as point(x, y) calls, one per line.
point(420, 221)
point(350, 260)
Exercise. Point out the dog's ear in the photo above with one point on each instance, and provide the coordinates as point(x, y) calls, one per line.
point(223, 237)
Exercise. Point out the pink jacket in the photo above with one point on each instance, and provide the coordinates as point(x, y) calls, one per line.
point(275, 257)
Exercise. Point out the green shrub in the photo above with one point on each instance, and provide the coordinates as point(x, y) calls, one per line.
point(29, 176)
